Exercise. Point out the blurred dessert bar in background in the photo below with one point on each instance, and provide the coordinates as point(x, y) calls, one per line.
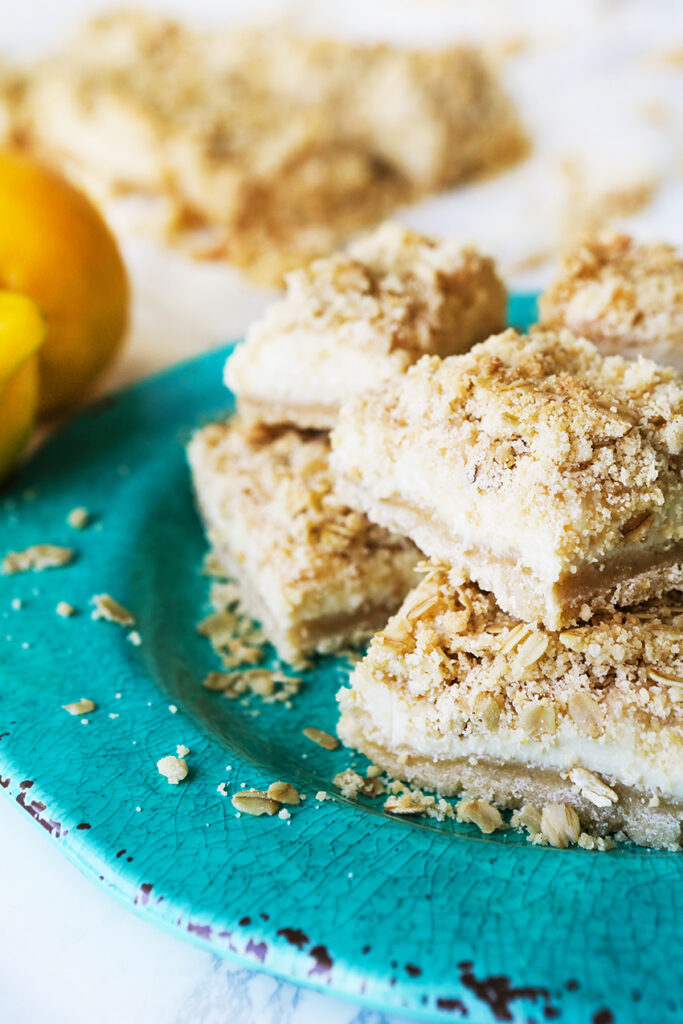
point(352, 320)
point(580, 730)
point(547, 473)
point(286, 145)
point(317, 575)
point(624, 297)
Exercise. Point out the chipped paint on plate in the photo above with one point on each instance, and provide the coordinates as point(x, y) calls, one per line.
point(429, 918)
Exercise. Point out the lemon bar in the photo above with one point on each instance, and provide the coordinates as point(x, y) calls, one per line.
point(317, 575)
point(454, 695)
point(545, 472)
point(352, 320)
point(624, 297)
point(283, 145)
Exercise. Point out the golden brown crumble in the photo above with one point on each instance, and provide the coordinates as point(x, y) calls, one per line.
point(409, 802)
point(454, 448)
point(109, 610)
point(174, 769)
point(360, 317)
point(463, 654)
point(315, 573)
point(80, 707)
point(284, 482)
point(65, 610)
point(351, 784)
point(269, 685)
point(287, 144)
point(36, 558)
point(624, 297)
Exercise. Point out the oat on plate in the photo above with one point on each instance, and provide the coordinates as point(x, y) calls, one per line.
point(317, 575)
point(545, 472)
point(352, 320)
point(454, 694)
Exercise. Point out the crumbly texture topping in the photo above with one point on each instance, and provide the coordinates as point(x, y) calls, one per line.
point(394, 294)
point(408, 802)
point(65, 610)
point(622, 296)
point(271, 686)
point(278, 485)
point(174, 769)
point(290, 144)
point(36, 558)
point(485, 672)
point(352, 784)
point(597, 441)
point(238, 641)
point(109, 610)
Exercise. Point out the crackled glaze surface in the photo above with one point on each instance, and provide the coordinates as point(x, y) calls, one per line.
point(429, 918)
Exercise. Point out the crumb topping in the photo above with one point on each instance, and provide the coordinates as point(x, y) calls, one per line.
point(596, 440)
point(281, 482)
point(109, 610)
point(462, 653)
point(36, 558)
point(395, 292)
point(174, 769)
point(621, 295)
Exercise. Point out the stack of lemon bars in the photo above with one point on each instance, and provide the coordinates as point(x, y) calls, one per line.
point(389, 430)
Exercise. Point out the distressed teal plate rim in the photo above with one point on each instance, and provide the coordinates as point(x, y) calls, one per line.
point(432, 921)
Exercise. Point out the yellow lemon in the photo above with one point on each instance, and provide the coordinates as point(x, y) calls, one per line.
point(56, 248)
point(22, 331)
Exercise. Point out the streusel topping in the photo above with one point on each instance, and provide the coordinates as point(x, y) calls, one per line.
point(289, 472)
point(619, 294)
point(585, 448)
point(451, 643)
point(392, 290)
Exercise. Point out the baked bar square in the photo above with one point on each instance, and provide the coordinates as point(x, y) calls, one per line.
point(317, 575)
point(351, 321)
point(282, 145)
point(625, 297)
point(545, 472)
point(455, 695)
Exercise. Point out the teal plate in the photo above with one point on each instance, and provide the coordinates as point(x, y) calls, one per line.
point(434, 920)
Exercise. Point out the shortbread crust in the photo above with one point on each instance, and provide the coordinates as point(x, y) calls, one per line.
point(455, 695)
point(352, 320)
point(624, 297)
point(317, 575)
point(545, 472)
point(286, 145)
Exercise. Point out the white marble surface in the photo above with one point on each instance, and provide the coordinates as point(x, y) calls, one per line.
point(69, 954)
point(594, 92)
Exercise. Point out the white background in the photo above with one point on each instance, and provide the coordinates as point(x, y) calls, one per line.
point(597, 91)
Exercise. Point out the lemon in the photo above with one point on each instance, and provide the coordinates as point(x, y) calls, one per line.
point(56, 248)
point(22, 332)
